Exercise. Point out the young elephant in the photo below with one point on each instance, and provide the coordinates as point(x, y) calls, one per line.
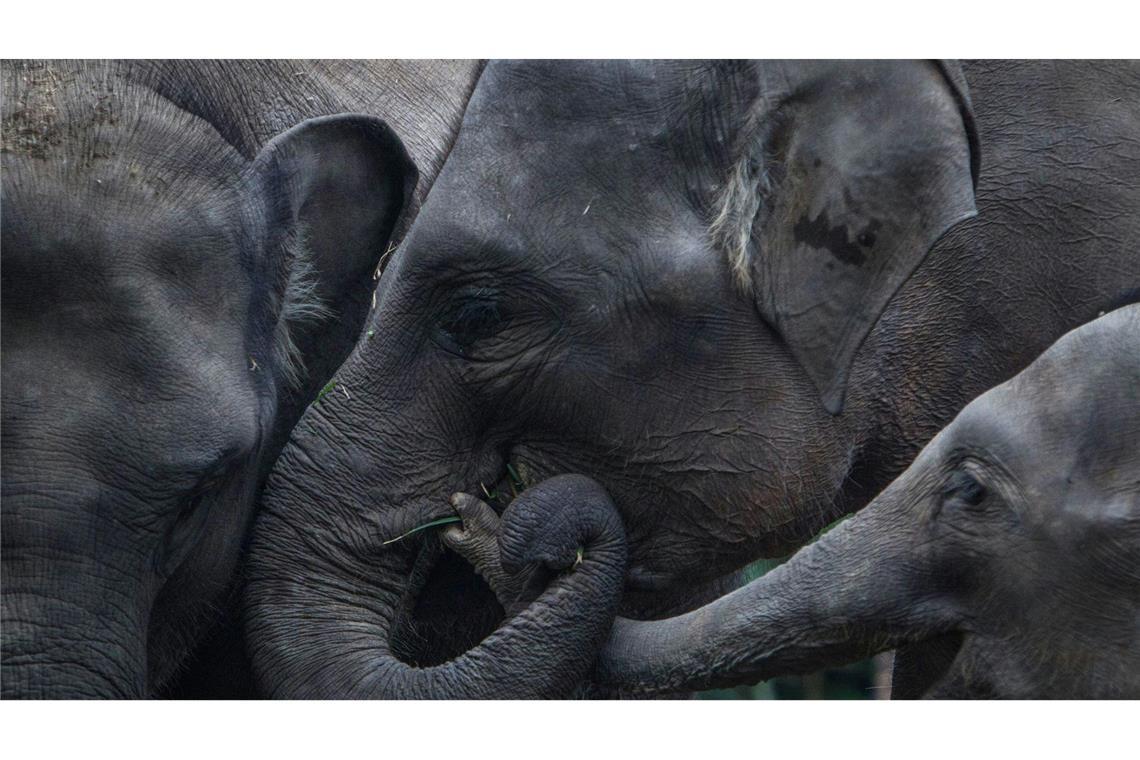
point(188, 253)
point(1015, 537)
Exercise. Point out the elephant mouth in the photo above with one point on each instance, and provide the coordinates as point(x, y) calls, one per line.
point(506, 488)
point(952, 652)
point(943, 656)
point(449, 608)
point(643, 580)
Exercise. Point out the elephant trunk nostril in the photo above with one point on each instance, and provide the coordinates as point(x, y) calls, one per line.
point(559, 518)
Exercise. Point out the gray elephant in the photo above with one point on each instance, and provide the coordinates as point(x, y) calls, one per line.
point(189, 252)
point(740, 296)
point(1015, 536)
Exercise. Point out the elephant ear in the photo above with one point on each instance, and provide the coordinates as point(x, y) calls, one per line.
point(327, 195)
point(868, 166)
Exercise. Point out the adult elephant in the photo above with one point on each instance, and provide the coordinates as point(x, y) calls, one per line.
point(684, 280)
point(188, 253)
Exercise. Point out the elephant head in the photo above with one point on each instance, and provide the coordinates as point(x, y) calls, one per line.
point(161, 295)
point(654, 273)
point(1014, 536)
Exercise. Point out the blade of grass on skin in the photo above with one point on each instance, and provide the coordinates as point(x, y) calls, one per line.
point(425, 526)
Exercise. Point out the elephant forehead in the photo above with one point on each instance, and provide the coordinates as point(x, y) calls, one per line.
point(661, 251)
point(159, 301)
point(77, 119)
point(598, 125)
point(566, 193)
point(563, 170)
point(1084, 391)
point(576, 92)
point(1068, 426)
point(104, 177)
point(125, 326)
point(77, 228)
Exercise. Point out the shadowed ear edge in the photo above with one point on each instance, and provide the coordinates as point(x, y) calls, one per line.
point(329, 194)
point(952, 72)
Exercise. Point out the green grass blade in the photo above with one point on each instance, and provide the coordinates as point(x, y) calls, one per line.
point(325, 391)
point(425, 526)
point(515, 481)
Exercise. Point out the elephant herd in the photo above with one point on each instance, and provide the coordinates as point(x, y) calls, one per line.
point(451, 379)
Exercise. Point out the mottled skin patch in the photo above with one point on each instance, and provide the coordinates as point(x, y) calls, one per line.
point(819, 233)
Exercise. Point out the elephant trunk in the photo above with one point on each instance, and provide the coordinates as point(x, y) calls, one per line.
point(322, 600)
point(74, 619)
point(69, 632)
point(863, 588)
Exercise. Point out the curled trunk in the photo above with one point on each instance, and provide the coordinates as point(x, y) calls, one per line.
point(319, 617)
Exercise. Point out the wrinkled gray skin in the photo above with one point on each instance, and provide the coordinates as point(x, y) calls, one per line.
point(678, 278)
point(188, 254)
point(1015, 534)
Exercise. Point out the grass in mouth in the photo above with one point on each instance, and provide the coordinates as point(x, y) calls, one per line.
point(513, 480)
point(425, 526)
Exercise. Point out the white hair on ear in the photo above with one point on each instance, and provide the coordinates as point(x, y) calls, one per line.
point(300, 304)
point(739, 204)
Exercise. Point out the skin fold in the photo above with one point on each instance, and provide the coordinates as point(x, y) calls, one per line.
point(1015, 535)
point(189, 251)
point(740, 296)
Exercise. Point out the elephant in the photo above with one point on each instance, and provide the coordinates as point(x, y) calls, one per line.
point(189, 252)
point(1015, 535)
point(738, 296)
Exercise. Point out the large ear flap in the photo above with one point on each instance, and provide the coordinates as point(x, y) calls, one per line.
point(328, 194)
point(867, 166)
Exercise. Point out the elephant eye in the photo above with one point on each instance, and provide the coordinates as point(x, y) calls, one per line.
point(193, 516)
point(471, 318)
point(964, 488)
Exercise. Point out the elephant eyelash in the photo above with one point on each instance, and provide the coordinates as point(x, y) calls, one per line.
point(480, 323)
point(964, 487)
point(217, 474)
point(472, 319)
point(474, 316)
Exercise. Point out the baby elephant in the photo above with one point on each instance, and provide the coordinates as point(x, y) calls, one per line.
point(1015, 535)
